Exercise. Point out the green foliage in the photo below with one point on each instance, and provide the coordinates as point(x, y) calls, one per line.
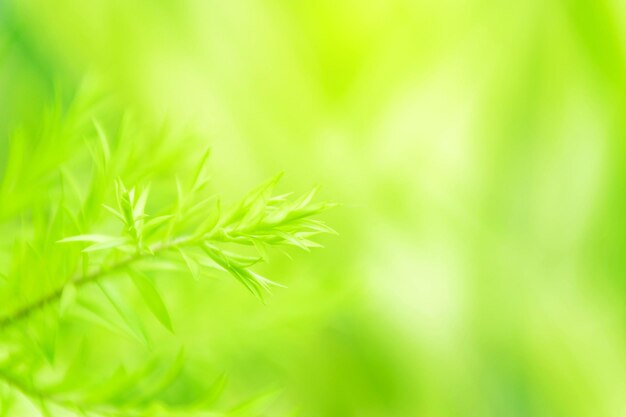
point(74, 244)
point(481, 145)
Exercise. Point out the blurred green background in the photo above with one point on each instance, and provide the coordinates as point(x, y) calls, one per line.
point(477, 147)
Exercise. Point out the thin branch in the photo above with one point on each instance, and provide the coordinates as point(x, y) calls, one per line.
point(79, 280)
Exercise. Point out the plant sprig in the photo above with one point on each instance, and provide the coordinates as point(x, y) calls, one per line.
point(64, 243)
point(260, 219)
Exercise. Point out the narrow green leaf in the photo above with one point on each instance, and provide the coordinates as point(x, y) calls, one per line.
point(211, 221)
point(155, 222)
point(192, 265)
point(201, 166)
point(318, 226)
point(255, 283)
point(113, 243)
point(92, 315)
point(140, 205)
point(293, 240)
point(115, 213)
point(306, 199)
point(151, 296)
point(133, 324)
point(91, 238)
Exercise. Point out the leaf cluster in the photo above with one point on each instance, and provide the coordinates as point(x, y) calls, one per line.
point(74, 243)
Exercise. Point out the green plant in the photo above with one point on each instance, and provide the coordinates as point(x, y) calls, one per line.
point(73, 226)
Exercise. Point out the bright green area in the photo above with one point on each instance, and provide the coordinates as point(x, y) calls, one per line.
point(478, 149)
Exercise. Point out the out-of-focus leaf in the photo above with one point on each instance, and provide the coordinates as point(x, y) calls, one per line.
point(152, 297)
point(191, 263)
point(92, 238)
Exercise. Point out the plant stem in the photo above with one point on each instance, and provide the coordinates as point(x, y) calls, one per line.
point(79, 280)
